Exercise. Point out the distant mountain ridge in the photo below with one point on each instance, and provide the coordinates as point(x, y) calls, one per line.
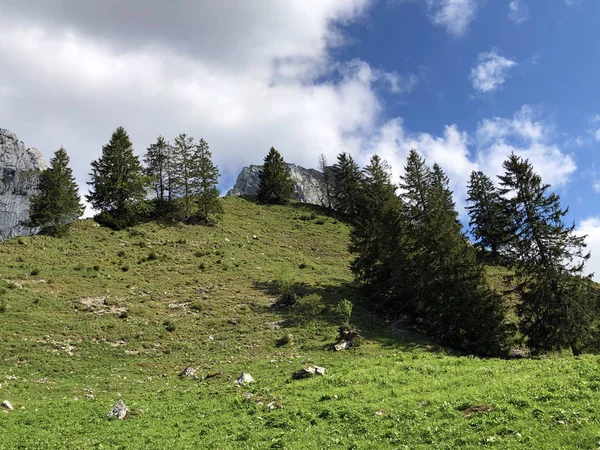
point(308, 183)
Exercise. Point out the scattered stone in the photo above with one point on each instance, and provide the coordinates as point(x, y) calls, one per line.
point(42, 380)
point(248, 395)
point(244, 378)
point(255, 237)
point(88, 396)
point(11, 377)
point(234, 321)
point(308, 372)
point(226, 240)
point(344, 345)
point(188, 372)
point(119, 410)
point(380, 412)
point(211, 338)
point(7, 405)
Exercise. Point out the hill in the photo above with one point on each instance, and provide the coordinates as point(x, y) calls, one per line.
point(102, 315)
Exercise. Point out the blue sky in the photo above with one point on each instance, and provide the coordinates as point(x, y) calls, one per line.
point(465, 82)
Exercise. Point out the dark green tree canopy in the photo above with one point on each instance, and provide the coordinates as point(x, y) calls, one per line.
point(347, 179)
point(158, 168)
point(57, 203)
point(118, 181)
point(276, 184)
point(207, 194)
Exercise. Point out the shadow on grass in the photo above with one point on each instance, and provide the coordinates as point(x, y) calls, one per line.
point(372, 326)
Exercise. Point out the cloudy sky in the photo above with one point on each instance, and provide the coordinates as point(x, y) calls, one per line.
point(463, 81)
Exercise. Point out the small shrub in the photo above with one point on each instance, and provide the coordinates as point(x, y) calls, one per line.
point(344, 309)
point(302, 266)
point(152, 256)
point(196, 306)
point(79, 267)
point(169, 326)
point(123, 315)
point(35, 272)
point(96, 267)
point(125, 269)
point(202, 266)
point(121, 254)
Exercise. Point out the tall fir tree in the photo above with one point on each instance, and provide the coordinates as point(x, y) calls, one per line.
point(488, 220)
point(157, 159)
point(557, 309)
point(57, 203)
point(207, 195)
point(118, 183)
point(347, 184)
point(327, 183)
point(276, 184)
point(184, 167)
point(450, 295)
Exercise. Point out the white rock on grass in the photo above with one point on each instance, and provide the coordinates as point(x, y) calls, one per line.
point(119, 410)
point(244, 378)
point(8, 405)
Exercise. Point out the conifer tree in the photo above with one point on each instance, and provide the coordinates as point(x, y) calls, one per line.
point(327, 184)
point(276, 184)
point(57, 203)
point(118, 182)
point(347, 185)
point(557, 310)
point(207, 194)
point(185, 170)
point(157, 161)
point(488, 220)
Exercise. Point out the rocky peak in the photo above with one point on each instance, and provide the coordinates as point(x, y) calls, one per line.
point(19, 173)
point(308, 183)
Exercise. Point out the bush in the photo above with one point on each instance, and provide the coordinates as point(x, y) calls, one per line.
point(170, 326)
point(344, 309)
point(35, 272)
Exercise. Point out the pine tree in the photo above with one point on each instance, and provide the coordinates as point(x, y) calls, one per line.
point(557, 310)
point(184, 167)
point(276, 184)
point(157, 160)
point(118, 182)
point(347, 185)
point(488, 220)
point(376, 238)
point(207, 194)
point(450, 295)
point(57, 203)
point(327, 184)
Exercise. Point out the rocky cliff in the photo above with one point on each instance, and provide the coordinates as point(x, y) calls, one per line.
point(308, 183)
point(19, 172)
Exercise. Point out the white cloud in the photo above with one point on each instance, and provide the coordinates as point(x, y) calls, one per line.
point(518, 11)
point(453, 15)
point(590, 227)
point(491, 71)
point(596, 186)
point(572, 2)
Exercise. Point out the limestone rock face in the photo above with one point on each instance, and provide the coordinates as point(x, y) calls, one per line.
point(19, 174)
point(308, 183)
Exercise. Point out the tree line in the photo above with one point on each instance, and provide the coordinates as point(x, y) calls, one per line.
point(411, 254)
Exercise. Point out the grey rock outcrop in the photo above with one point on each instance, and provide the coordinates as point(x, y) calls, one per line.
point(19, 174)
point(308, 183)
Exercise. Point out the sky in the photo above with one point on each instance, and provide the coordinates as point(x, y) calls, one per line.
point(465, 82)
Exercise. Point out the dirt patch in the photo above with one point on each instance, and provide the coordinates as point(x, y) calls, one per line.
point(474, 410)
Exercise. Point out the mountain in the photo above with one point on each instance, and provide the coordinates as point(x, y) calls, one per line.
point(19, 171)
point(308, 183)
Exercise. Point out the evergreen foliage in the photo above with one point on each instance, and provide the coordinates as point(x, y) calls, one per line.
point(557, 310)
point(205, 188)
point(488, 220)
point(347, 184)
point(185, 172)
point(327, 185)
point(118, 182)
point(158, 168)
point(276, 184)
point(57, 202)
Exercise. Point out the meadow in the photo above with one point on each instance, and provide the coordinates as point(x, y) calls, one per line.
point(103, 315)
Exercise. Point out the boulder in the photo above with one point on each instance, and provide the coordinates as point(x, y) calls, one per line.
point(7, 405)
point(19, 174)
point(188, 372)
point(308, 372)
point(308, 183)
point(119, 410)
point(244, 378)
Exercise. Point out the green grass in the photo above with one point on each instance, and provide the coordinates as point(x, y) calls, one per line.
point(120, 314)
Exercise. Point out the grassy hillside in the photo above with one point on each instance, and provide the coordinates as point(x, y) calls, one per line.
point(103, 315)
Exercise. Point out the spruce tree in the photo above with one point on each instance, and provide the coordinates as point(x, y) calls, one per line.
point(557, 310)
point(327, 184)
point(118, 182)
point(488, 220)
point(347, 185)
point(207, 194)
point(57, 203)
point(157, 160)
point(184, 167)
point(276, 184)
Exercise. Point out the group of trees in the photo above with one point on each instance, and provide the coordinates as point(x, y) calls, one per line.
point(415, 260)
point(411, 252)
